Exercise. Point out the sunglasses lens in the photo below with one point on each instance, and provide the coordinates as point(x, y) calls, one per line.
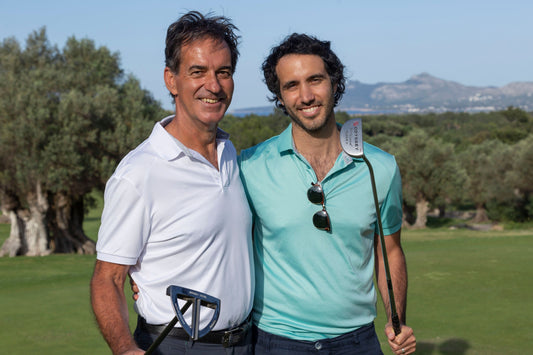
point(315, 194)
point(321, 220)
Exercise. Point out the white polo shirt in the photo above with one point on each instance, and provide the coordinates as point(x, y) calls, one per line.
point(179, 221)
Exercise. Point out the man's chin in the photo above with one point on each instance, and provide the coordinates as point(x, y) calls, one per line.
point(213, 117)
point(310, 126)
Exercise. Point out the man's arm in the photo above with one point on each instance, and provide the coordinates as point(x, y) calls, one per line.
point(398, 274)
point(110, 306)
point(398, 271)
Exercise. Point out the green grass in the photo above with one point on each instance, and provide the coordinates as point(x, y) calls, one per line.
point(469, 293)
point(44, 301)
point(45, 306)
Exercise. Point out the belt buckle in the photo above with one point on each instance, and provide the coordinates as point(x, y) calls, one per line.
point(227, 339)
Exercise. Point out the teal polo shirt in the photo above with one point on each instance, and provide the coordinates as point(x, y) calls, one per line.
point(312, 284)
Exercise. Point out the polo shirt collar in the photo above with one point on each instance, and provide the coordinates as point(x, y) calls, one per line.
point(170, 148)
point(285, 142)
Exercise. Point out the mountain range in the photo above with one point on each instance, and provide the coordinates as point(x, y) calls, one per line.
point(425, 93)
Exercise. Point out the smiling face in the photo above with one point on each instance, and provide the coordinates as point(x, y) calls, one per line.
point(306, 90)
point(203, 85)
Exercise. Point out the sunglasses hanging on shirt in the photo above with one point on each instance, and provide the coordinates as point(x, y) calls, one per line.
point(315, 194)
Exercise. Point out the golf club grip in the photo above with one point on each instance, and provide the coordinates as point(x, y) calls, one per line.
point(167, 330)
point(396, 324)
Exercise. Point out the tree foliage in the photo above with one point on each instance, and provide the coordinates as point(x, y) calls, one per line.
point(486, 165)
point(520, 177)
point(430, 174)
point(250, 130)
point(66, 118)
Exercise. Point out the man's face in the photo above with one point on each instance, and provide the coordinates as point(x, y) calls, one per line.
point(204, 83)
point(306, 90)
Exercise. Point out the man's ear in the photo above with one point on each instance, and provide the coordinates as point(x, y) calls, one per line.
point(170, 81)
point(280, 101)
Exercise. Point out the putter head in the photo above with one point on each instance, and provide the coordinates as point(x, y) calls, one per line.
point(198, 300)
point(351, 136)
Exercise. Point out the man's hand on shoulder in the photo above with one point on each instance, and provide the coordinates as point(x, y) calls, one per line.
point(134, 289)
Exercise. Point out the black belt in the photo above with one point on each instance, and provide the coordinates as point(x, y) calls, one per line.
point(226, 337)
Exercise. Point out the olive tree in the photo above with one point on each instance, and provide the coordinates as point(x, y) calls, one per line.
point(66, 118)
point(431, 175)
point(486, 165)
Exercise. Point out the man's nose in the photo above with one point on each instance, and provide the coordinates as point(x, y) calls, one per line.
point(213, 84)
point(307, 95)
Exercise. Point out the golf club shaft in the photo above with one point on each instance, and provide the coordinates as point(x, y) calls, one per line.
point(167, 330)
point(394, 315)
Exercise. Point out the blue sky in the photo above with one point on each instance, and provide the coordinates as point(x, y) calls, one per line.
point(477, 43)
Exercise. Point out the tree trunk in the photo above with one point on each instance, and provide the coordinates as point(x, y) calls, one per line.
point(481, 214)
point(408, 217)
point(15, 244)
point(67, 226)
point(442, 211)
point(28, 234)
point(42, 230)
point(36, 234)
point(422, 208)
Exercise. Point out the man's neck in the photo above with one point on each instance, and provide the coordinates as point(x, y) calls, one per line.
point(320, 148)
point(200, 139)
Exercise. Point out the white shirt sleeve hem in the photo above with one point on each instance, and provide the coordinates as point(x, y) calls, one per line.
point(115, 259)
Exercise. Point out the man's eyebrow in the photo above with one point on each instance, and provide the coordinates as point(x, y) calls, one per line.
point(197, 67)
point(316, 76)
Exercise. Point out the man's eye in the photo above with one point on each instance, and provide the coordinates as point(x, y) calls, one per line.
point(225, 74)
point(290, 86)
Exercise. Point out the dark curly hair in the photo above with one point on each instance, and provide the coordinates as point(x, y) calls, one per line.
point(193, 26)
point(298, 43)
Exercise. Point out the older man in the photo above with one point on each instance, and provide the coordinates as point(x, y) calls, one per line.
point(175, 211)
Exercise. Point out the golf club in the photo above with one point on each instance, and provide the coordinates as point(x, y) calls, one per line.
point(351, 137)
point(197, 300)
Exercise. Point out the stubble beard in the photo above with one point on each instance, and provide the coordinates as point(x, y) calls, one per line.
point(311, 128)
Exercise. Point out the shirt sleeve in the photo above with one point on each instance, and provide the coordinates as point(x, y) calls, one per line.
point(125, 223)
point(391, 208)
